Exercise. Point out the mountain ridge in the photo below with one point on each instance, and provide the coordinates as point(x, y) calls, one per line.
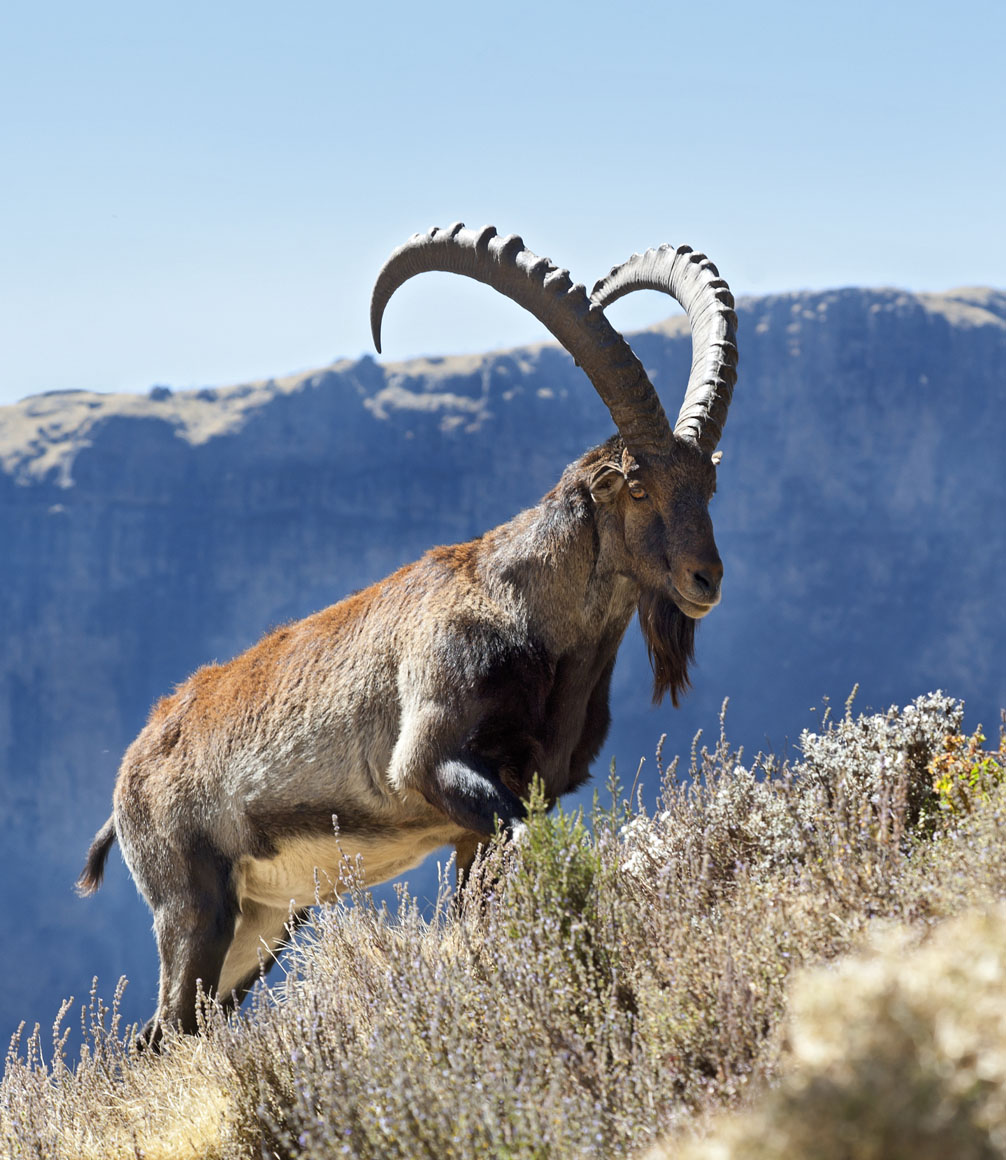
point(31, 449)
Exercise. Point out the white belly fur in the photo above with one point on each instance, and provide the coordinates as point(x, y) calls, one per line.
point(311, 869)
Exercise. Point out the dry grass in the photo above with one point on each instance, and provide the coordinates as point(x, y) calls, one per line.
point(609, 987)
point(898, 1053)
point(116, 1103)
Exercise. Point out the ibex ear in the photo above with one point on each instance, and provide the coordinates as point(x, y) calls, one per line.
point(717, 457)
point(606, 482)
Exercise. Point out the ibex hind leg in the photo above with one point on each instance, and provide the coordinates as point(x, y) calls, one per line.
point(194, 925)
point(262, 932)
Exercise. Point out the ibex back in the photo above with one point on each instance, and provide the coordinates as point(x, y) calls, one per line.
point(415, 713)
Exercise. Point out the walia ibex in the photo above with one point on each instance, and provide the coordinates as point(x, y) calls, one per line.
point(415, 714)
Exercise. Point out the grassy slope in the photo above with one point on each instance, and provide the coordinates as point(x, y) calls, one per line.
point(659, 979)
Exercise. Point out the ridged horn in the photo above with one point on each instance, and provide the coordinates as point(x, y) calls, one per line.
point(560, 305)
point(693, 281)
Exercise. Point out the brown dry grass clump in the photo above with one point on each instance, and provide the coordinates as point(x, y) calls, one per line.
point(115, 1103)
point(895, 1054)
point(608, 987)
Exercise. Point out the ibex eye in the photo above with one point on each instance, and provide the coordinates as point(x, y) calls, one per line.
point(636, 490)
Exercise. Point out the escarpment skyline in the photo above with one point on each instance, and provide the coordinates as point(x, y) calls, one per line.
point(859, 516)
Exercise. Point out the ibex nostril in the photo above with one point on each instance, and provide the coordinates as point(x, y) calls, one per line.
point(707, 580)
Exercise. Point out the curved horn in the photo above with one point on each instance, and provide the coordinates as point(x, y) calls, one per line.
point(692, 280)
point(550, 295)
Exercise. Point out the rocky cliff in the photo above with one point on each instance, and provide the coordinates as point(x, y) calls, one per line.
point(860, 517)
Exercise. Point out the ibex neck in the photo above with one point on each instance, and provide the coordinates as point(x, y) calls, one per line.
point(547, 566)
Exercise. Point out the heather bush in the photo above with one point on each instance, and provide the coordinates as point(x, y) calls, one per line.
point(848, 808)
point(601, 985)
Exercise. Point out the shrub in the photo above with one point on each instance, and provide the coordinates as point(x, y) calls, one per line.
point(964, 775)
point(598, 988)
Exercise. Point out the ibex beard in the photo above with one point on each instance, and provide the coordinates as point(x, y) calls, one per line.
point(670, 644)
point(415, 714)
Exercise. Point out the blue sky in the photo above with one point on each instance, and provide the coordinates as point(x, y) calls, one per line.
point(203, 194)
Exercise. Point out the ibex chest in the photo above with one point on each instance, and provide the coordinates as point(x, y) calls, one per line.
point(552, 721)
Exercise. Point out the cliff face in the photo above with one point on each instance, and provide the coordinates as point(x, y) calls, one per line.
point(859, 514)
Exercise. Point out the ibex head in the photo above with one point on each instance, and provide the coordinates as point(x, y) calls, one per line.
point(660, 514)
point(652, 486)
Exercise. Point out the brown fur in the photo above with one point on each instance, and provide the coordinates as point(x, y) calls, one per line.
point(414, 713)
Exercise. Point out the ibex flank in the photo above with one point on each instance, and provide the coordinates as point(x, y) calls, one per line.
point(416, 713)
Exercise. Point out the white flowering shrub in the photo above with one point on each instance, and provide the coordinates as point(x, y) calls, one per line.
point(860, 779)
point(876, 757)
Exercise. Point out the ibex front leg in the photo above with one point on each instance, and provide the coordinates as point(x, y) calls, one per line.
point(430, 757)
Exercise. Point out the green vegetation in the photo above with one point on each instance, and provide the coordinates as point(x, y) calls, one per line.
point(784, 960)
point(965, 776)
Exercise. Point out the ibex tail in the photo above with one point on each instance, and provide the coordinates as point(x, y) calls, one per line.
point(94, 868)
